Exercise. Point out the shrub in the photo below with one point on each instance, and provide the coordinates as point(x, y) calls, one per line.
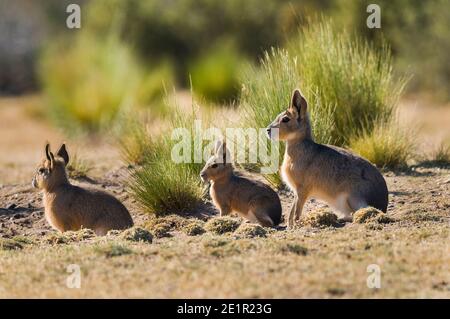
point(266, 92)
point(349, 85)
point(161, 186)
point(215, 74)
point(89, 80)
point(387, 146)
point(348, 75)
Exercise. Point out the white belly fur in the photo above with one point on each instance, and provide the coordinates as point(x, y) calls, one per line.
point(337, 203)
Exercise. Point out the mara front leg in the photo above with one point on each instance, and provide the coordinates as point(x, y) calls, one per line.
point(224, 210)
point(291, 216)
point(297, 207)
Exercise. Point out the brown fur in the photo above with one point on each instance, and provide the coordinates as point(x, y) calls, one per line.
point(251, 199)
point(344, 180)
point(69, 207)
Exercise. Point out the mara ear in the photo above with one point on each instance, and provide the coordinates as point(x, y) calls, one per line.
point(49, 155)
point(62, 152)
point(298, 103)
point(222, 151)
point(218, 146)
point(225, 153)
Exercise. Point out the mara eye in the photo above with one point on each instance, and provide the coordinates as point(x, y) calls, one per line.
point(285, 119)
point(213, 165)
point(41, 170)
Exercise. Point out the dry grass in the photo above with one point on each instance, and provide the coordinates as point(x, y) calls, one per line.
point(222, 225)
point(297, 263)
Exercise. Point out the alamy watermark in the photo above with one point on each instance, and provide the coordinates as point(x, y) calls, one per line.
point(374, 279)
point(374, 19)
point(73, 20)
point(73, 281)
point(245, 145)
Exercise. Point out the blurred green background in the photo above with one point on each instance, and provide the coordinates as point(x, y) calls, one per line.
point(128, 53)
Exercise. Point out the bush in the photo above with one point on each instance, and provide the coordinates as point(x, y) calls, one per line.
point(266, 92)
point(215, 74)
point(387, 146)
point(161, 186)
point(349, 85)
point(88, 80)
point(348, 75)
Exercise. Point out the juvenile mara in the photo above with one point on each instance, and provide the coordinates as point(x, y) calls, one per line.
point(251, 199)
point(69, 207)
point(343, 180)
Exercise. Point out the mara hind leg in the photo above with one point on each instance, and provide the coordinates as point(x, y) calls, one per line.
point(354, 202)
point(260, 216)
point(342, 208)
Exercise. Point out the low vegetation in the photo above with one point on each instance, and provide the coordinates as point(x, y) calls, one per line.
point(387, 146)
point(88, 96)
point(215, 75)
point(350, 87)
point(160, 185)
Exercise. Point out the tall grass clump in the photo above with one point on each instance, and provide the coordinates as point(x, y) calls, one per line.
point(215, 75)
point(350, 76)
point(90, 79)
point(160, 185)
point(386, 146)
point(350, 88)
point(266, 92)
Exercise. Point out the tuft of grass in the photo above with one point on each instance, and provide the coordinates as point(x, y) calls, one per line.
point(10, 244)
point(387, 146)
point(441, 155)
point(89, 79)
point(222, 247)
point(78, 167)
point(369, 214)
point(134, 141)
point(84, 83)
point(222, 225)
point(350, 85)
point(293, 249)
point(350, 76)
point(215, 75)
point(266, 92)
point(320, 218)
point(162, 185)
point(194, 228)
point(113, 250)
point(137, 234)
point(247, 230)
point(56, 238)
point(163, 225)
point(24, 240)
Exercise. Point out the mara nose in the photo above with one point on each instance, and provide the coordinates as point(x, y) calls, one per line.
point(202, 174)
